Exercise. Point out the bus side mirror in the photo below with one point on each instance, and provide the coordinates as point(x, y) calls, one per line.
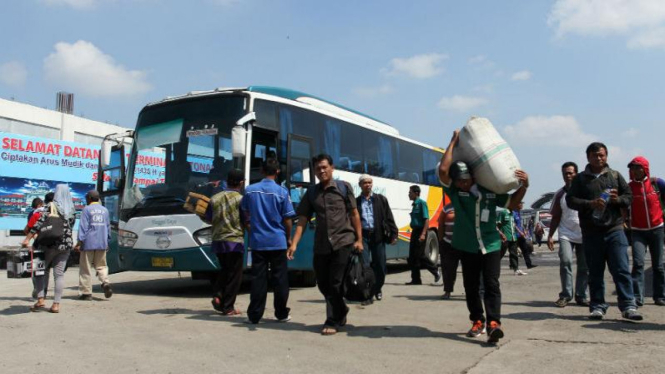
point(239, 135)
point(107, 146)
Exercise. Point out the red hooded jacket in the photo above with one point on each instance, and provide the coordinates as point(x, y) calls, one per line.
point(645, 211)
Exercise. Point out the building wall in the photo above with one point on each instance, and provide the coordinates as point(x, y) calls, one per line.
point(24, 119)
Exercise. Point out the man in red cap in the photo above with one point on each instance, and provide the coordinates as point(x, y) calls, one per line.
point(646, 223)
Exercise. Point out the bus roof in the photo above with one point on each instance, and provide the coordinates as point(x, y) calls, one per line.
point(293, 95)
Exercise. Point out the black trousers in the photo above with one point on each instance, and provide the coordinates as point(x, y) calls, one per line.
point(526, 251)
point(279, 276)
point(229, 280)
point(449, 263)
point(329, 269)
point(511, 248)
point(489, 266)
point(417, 259)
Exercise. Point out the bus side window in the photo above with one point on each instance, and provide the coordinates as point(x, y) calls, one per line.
point(410, 161)
point(378, 154)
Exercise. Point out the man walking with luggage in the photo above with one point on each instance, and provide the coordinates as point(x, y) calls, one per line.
point(477, 240)
point(419, 225)
point(379, 228)
point(228, 242)
point(338, 232)
point(567, 222)
point(269, 211)
point(599, 194)
point(93, 235)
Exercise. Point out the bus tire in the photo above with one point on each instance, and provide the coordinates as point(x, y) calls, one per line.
point(432, 247)
point(308, 278)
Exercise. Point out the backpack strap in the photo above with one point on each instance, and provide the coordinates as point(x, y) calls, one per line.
point(343, 190)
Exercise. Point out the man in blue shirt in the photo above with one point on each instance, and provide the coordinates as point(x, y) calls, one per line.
point(268, 211)
point(94, 234)
point(522, 241)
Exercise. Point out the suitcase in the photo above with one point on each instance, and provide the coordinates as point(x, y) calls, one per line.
point(23, 264)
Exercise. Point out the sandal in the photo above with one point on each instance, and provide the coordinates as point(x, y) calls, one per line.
point(232, 312)
point(328, 330)
point(37, 307)
point(55, 308)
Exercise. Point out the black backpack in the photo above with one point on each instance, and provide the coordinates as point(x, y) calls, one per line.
point(358, 279)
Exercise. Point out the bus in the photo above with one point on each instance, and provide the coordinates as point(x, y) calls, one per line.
point(187, 144)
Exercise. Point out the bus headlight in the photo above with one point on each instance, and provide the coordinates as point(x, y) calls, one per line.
point(203, 236)
point(127, 238)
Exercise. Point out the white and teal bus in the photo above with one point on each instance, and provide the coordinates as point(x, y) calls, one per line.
point(188, 143)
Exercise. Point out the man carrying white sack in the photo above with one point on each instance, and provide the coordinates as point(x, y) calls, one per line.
point(476, 239)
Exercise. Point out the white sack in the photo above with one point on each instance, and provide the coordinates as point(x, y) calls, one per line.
point(491, 160)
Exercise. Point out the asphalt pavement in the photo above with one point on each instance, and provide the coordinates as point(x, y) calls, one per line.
point(164, 323)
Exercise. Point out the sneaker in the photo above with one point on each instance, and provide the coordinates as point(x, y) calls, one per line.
point(445, 296)
point(108, 291)
point(367, 302)
point(562, 302)
point(379, 296)
point(477, 329)
point(250, 322)
point(285, 319)
point(85, 297)
point(632, 314)
point(494, 332)
point(660, 302)
point(532, 266)
point(520, 272)
point(596, 314)
point(582, 302)
point(413, 283)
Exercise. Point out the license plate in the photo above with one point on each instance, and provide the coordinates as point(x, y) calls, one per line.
point(162, 262)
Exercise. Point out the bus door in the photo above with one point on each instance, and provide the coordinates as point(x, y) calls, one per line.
point(110, 184)
point(300, 177)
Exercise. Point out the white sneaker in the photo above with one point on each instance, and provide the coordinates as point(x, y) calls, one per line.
point(287, 319)
point(520, 272)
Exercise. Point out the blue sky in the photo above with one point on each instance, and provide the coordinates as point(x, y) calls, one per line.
point(551, 75)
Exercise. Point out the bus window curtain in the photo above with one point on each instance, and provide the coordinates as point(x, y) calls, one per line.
point(285, 128)
point(331, 140)
point(385, 157)
point(430, 161)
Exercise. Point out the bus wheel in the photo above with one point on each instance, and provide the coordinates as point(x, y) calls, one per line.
point(308, 279)
point(432, 247)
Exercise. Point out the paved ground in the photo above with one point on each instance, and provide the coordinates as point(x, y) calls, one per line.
point(161, 323)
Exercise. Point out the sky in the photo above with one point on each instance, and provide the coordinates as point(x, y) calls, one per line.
point(551, 75)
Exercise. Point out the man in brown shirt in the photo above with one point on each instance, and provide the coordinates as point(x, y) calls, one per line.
point(338, 232)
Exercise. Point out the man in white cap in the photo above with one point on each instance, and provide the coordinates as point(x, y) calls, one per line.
point(378, 226)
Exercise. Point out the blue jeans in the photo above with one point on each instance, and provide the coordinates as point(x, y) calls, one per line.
point(566, 249)
point(654, 240)
point(377, 251)
point(610, 248)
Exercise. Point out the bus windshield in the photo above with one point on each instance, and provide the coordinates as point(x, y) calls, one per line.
point(180, 147)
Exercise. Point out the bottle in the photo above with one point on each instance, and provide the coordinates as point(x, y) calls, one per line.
point(598, 212)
